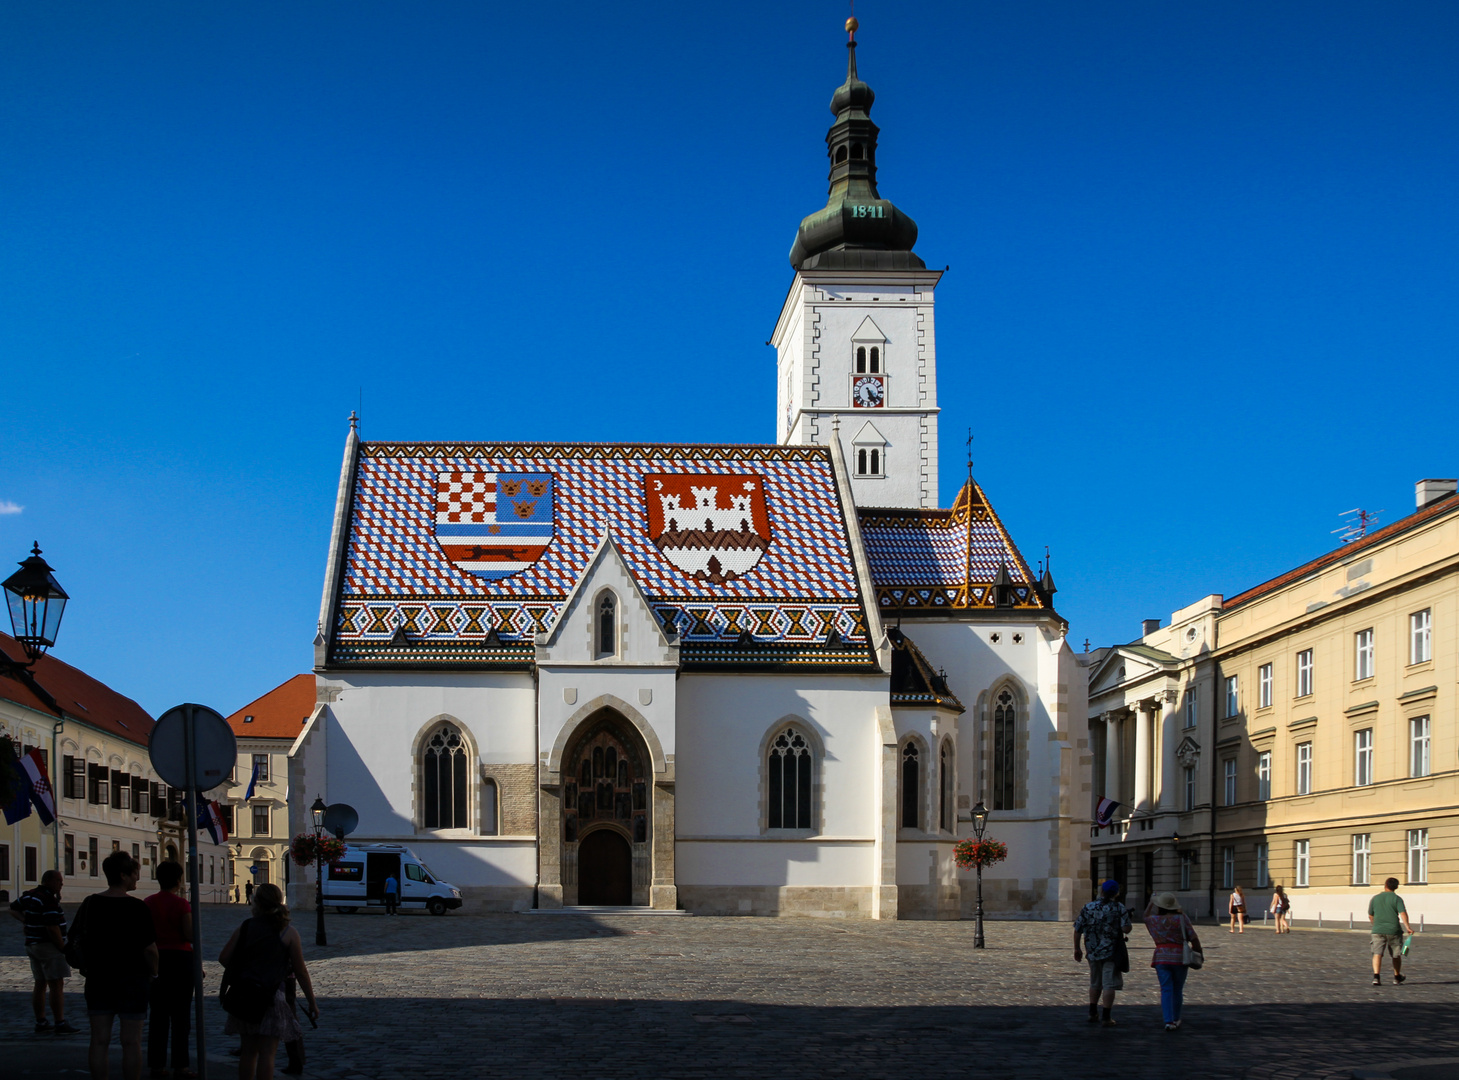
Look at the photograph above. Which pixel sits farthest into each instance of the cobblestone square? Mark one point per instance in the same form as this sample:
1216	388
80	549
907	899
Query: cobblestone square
631	996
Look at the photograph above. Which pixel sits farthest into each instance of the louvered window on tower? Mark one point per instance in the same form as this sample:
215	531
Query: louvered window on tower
790	782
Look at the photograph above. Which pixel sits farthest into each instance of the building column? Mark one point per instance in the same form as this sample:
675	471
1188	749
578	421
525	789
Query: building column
1111	756
1143	738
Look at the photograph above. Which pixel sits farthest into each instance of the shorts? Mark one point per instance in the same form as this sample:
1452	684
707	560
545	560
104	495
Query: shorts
126	998
1392	944
1105	975
47	962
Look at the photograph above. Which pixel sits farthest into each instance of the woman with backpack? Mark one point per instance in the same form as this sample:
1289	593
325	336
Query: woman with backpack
1281	908
256	960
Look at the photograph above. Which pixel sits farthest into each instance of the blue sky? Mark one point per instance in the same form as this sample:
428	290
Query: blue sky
1202	293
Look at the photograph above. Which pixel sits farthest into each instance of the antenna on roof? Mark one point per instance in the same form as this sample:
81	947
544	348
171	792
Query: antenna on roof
1355	528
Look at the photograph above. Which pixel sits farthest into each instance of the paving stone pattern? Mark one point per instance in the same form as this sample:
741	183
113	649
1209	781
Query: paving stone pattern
622	996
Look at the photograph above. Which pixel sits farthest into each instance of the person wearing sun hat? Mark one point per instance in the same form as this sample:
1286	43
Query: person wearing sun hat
1171	929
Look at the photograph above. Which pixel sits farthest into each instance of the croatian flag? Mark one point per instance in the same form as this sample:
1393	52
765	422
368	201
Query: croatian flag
210	817
40	786
1105	812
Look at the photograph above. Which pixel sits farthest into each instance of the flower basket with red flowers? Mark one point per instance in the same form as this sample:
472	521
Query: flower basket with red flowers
979	853
305	848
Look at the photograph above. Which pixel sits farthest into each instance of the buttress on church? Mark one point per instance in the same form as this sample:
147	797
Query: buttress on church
728	679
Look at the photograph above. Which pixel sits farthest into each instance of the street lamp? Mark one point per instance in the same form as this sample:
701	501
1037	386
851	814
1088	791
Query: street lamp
36	602
318	810
980	822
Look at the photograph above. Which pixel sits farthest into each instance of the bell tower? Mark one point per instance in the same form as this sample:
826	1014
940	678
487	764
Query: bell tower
856	349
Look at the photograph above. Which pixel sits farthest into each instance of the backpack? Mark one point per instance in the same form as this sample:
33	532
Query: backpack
254	972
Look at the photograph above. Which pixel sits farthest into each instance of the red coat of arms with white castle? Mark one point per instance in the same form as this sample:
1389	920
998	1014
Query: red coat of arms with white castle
711	526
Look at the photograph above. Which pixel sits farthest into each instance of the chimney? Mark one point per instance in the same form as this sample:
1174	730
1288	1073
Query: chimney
1149	626
1430	491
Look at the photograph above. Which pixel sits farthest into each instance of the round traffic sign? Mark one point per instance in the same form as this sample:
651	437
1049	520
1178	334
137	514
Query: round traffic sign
215	750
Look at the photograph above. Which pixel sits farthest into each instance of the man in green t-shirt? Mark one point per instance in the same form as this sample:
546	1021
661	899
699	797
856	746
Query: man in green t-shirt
1385	912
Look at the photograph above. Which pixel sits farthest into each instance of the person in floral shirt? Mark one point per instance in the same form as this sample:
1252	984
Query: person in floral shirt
1103	923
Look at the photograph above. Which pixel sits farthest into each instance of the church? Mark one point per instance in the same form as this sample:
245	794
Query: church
728	678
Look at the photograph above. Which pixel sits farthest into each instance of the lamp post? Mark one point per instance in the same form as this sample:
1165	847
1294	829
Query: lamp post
980	822
318	810
36	601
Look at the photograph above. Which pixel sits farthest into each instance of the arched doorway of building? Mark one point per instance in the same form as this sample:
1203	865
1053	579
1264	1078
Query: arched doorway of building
606	816
605	868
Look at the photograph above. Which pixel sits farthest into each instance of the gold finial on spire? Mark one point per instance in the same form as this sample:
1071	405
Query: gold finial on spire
852	26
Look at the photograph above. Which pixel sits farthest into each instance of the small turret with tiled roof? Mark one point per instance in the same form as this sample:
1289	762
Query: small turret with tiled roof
857	229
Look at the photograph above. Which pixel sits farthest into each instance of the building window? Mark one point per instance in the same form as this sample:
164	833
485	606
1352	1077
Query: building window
32	863
790	781
1362	857
1304	673
1419	643
1264	686
1304	768
1418	741
69	865
1264	775
443	779
1363	757
1363	655
1185	872
4	862
1263	866
1190	787
152	858
861	359
1304	861
260	767
1005	758
1232	698
948	800
141	796
490	825
1228	868
605	626
869	461
96	785
1228	770
1192	710
93	861
911	786
74	779
874	360
1418	856
261	825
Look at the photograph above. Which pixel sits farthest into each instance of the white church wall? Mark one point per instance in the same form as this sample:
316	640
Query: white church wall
927	881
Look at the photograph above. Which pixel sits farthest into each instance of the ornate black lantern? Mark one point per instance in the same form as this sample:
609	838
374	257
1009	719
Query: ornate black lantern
318	810
980	819
36	602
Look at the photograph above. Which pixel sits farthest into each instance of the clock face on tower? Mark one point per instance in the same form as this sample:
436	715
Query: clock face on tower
868	391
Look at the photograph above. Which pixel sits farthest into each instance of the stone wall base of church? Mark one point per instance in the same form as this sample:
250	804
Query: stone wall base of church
1013	898
809	901
931	902
479	898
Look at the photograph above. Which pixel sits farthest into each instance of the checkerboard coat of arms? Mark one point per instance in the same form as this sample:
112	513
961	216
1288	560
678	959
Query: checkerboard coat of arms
712	526
494	524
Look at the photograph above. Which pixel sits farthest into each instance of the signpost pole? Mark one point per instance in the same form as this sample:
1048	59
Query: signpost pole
189	735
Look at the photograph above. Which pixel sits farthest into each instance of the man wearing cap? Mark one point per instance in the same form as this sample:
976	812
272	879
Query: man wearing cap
1103	923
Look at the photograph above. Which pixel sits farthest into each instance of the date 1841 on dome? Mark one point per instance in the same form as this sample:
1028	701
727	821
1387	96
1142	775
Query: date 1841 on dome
859	210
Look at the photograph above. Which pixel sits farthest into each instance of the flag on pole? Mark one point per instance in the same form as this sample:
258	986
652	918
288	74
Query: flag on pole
18	809
210	817
40	786
252	781
1105	812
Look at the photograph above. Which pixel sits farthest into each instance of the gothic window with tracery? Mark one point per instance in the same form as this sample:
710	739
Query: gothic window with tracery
948	788
790	781
607	625
1005	752
444	769
911	786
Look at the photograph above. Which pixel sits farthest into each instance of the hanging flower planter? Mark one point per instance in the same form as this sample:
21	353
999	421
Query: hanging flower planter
305	848
979	853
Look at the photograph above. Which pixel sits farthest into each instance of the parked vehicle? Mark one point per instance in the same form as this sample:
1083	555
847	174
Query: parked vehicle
357	879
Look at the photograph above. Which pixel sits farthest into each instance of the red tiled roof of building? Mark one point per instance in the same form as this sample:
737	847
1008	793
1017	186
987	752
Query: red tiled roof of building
279	714
1435	509
75	694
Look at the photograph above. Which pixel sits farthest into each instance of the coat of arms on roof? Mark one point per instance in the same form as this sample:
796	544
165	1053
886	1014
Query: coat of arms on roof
494	524
712	526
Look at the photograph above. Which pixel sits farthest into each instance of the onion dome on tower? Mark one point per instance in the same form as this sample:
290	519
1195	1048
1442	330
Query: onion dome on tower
857	229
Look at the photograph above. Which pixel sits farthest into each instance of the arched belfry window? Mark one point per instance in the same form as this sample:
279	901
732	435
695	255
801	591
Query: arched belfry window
948	788
444	770
606	625
861	360
911	786
1005	751
875	360
789	787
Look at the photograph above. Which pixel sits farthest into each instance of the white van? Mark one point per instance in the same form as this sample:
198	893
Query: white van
358	880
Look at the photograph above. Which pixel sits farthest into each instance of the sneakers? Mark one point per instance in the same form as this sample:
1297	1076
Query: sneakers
42	1026
64	1028
1377	980
1398	979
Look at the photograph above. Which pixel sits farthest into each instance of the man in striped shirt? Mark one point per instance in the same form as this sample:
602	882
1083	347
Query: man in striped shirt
45	940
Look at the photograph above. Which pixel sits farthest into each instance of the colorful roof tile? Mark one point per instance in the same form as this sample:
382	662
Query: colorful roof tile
462	553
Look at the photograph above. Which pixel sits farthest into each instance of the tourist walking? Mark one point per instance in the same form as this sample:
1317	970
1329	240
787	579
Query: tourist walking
1170	929
257	958
1386	911
118	955
1236	908
172	992
1279	909
248	892
392	895
45	944
1104	924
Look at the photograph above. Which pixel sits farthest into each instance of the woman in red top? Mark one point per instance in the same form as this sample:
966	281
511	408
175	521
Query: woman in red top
172	993
1171	929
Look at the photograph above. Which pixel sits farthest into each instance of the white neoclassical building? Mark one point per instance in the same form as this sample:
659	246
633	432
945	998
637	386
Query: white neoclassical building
731	678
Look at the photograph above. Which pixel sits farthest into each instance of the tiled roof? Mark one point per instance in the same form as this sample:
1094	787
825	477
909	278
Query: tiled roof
279	714
1435	509
924	561
461	553
74	693
913	681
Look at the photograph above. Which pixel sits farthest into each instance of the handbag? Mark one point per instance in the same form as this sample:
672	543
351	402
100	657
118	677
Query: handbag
1192	957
